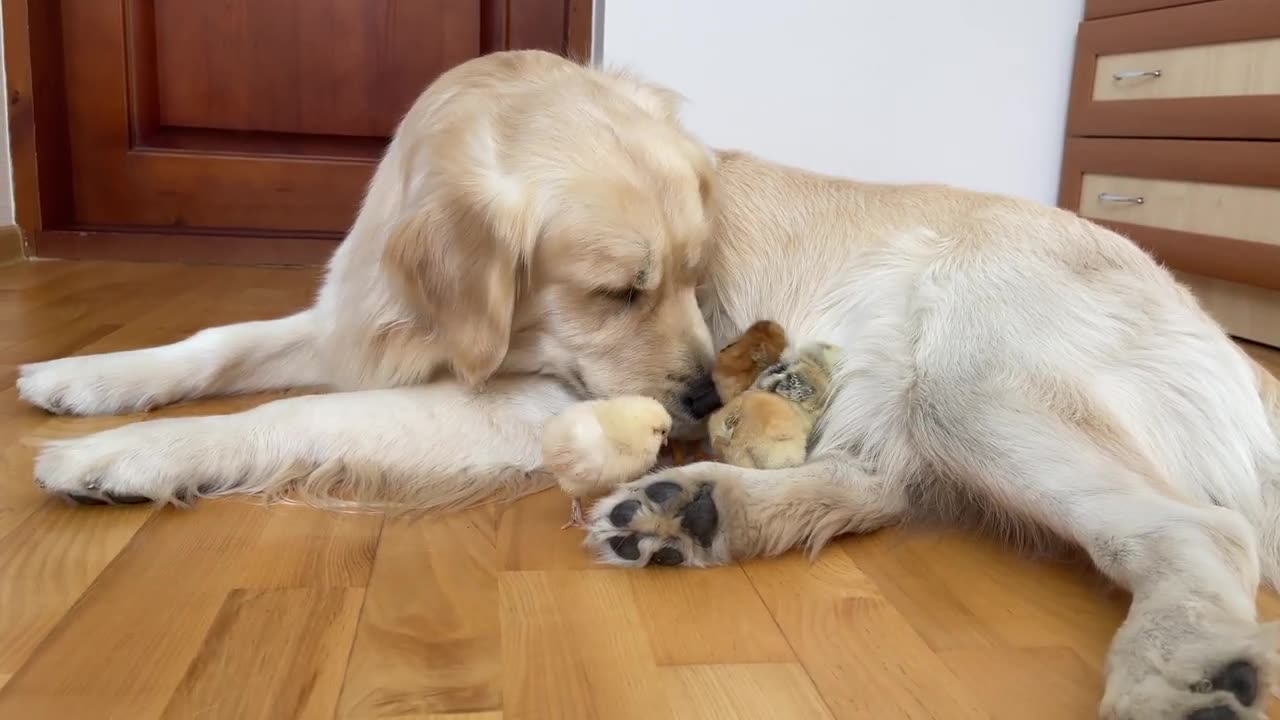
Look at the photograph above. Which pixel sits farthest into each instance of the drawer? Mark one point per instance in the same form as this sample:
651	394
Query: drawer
1242	310
1206	207
1204	70
1242	68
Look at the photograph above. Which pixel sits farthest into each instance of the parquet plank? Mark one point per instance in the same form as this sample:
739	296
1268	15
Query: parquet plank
1051	683
47	561
546	671
145	618
148	617
910	582
307	547
573	647
19	496
864	657
979	597
988	580
530	537
743	692
428	638
685	628
284	651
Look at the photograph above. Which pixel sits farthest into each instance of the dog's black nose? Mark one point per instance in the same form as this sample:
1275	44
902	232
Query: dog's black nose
701	399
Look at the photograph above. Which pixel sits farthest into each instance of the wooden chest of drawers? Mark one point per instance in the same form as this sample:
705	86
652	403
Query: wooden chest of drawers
1173	139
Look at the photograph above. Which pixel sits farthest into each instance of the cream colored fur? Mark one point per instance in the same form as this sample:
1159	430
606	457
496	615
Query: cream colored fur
997	350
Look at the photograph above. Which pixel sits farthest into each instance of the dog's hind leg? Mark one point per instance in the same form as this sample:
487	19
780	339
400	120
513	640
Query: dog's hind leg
1191	647
227	360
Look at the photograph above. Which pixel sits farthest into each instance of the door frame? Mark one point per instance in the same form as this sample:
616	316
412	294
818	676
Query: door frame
38	149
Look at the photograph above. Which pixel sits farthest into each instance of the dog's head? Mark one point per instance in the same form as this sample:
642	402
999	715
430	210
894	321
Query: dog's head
557	220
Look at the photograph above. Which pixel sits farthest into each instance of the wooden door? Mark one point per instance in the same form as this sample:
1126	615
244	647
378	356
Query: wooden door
230	130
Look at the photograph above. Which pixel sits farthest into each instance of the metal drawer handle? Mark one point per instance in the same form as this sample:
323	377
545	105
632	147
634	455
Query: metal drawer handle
1127	74
1130	199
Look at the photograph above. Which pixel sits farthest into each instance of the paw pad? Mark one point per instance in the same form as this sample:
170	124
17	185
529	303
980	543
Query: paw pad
626	547
667	556
622	513
107	499
700	518
1217	712
666	520
85	499
663	491
1240	678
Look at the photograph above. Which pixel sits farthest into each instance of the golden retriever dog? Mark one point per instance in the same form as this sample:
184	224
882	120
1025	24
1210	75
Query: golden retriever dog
540	232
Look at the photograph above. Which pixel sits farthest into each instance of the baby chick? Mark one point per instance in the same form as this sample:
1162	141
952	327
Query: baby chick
769	425
804	379
594	446
741	361
760	429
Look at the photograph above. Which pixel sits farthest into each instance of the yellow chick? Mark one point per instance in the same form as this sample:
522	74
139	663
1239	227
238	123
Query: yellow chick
596	445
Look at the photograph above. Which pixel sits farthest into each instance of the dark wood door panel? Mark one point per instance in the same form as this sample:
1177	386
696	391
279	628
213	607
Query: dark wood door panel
197	192
231	123
326	67
115	183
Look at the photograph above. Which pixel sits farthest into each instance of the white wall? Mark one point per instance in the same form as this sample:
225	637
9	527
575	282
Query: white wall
966	92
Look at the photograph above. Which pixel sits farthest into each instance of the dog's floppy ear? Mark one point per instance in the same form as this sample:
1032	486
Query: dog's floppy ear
707	188
456	266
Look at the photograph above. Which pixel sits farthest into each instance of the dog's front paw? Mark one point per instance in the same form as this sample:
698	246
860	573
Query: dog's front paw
91	385
681	516
132	464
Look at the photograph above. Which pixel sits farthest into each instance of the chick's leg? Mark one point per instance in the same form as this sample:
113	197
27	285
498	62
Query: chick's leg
576	519
712	514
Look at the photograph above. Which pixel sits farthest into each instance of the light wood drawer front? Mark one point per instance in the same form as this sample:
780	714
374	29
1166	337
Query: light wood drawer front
1230	211
1243	311
1225	69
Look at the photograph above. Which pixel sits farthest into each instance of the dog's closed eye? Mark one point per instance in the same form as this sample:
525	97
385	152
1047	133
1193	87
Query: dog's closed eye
626	295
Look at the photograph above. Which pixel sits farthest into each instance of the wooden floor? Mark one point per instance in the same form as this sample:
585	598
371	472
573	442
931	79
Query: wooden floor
234	610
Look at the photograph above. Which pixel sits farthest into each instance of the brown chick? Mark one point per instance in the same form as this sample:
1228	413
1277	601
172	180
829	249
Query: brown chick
594	446
769	426
741	361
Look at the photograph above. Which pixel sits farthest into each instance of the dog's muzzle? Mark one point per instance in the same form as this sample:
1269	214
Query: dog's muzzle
700	399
